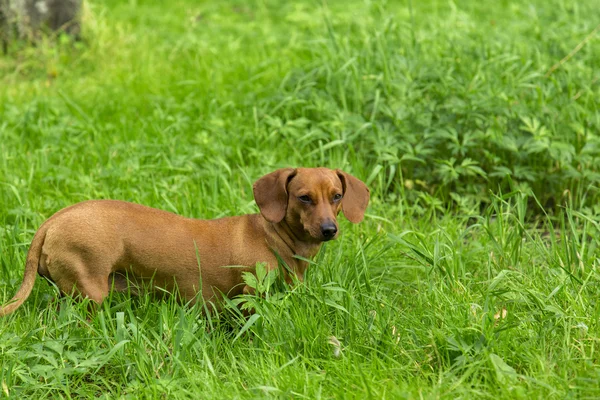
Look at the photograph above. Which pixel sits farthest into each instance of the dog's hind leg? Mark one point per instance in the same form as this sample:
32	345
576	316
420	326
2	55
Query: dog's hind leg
85	278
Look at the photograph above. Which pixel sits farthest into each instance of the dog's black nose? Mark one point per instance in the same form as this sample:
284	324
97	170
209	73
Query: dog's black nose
328	230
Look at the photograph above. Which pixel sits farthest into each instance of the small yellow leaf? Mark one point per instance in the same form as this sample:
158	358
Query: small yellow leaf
501	314
337	346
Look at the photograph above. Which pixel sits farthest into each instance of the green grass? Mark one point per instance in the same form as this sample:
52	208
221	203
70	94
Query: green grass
475	272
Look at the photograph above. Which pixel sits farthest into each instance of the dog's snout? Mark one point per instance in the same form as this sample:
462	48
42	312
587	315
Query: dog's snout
328	230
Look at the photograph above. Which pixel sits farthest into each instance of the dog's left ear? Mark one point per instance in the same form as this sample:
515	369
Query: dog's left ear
270	193
356	197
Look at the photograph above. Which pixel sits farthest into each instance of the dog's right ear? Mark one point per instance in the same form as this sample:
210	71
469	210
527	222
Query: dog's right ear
270	193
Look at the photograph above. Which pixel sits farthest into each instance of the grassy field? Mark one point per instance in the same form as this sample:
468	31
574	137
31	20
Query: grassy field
475	124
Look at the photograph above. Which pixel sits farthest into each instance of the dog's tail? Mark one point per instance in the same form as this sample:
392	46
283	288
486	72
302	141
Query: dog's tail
31	268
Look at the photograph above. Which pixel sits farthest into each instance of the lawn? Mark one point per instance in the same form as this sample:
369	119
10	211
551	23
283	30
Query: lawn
475	273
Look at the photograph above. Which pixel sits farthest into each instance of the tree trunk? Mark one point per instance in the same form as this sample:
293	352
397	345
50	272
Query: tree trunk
28	19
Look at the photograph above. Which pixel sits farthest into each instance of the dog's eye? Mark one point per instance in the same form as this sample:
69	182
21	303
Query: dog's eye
337	197
304	199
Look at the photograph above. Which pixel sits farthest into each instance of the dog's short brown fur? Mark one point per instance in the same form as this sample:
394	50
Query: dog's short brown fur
92	246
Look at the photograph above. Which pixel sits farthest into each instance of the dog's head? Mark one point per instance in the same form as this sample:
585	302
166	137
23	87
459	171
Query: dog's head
309	200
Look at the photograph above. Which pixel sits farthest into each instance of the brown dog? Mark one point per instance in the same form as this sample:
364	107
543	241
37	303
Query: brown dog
92	246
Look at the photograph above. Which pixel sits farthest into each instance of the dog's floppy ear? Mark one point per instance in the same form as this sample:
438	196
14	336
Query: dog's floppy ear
356	197
270	193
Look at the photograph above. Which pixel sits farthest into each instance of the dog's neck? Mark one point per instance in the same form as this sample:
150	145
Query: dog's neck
281	236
